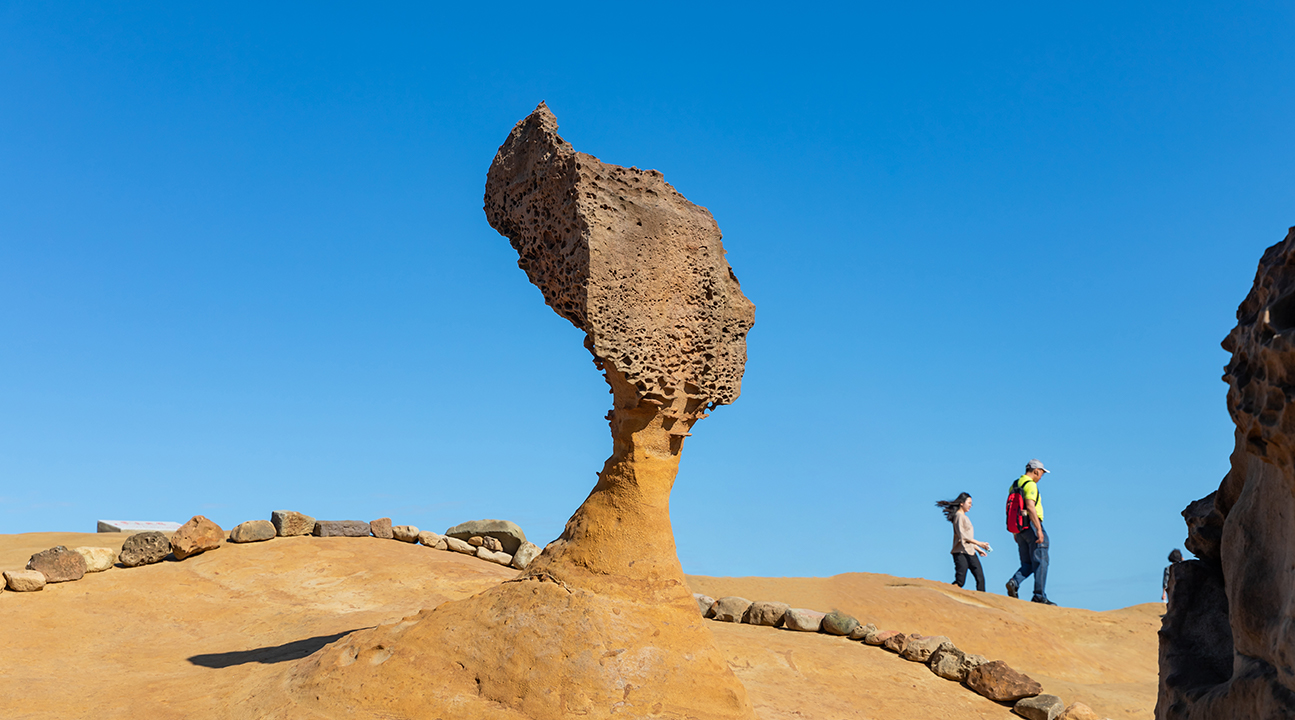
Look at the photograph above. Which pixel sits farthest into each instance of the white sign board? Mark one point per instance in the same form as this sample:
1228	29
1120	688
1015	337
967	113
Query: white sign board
137	526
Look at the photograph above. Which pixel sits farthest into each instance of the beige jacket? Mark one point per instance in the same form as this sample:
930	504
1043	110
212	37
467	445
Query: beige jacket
962	533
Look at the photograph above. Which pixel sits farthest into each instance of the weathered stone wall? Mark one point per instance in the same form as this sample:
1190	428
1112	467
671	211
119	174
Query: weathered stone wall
1243	534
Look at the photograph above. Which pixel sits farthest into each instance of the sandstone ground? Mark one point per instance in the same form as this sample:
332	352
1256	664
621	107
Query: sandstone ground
176	639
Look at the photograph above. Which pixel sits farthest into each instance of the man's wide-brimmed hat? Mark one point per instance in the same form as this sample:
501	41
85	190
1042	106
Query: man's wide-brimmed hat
1035	464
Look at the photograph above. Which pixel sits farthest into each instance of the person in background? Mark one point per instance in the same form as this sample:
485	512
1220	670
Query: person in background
1175	557
965	545
1032	542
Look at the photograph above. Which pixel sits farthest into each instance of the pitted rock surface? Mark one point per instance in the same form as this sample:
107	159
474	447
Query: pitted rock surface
1228	638
144	548
596	239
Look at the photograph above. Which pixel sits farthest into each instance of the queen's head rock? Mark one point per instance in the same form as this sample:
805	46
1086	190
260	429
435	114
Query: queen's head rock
601	622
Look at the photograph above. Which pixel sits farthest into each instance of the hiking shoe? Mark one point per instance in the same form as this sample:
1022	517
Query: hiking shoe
1042	601
1011	589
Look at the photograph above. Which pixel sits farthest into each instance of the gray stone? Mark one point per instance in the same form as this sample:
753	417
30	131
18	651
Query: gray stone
803	620
501	558
97	559
341	528
252	531
1039	707
920	647
704	603
763	612
24	580
133	526
508	533
405	533
525	554
144	548
862	631
291	524
730	608
381	528
838	623
880	637
58	564
459	546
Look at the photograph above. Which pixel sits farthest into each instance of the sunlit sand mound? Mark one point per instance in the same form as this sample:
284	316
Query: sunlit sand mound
193	639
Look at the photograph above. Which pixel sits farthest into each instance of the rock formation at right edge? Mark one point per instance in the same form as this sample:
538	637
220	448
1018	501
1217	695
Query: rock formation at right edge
1227	645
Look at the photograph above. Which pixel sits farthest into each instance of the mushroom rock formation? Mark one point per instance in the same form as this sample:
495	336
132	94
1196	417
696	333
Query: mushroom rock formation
1227	645
602	622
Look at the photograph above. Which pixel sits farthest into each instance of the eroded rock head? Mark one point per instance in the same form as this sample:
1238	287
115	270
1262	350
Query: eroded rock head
626	258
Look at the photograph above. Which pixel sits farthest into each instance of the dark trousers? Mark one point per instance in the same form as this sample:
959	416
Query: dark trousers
962	561
1034	561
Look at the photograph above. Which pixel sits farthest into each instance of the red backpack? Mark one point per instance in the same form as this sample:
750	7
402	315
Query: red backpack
1017	518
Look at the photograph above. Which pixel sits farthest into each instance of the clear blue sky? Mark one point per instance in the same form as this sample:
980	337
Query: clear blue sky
244	266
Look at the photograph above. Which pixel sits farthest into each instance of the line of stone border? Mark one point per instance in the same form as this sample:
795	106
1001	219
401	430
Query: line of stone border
993	679
59	564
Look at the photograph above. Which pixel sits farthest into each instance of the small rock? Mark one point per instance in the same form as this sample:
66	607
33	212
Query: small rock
802	620
1039	707
896	643
252	531
492	544
1000	683
506	532
1078	711
476	541
144	548
703	603
459	546
730	608
381	528
920	647
291	524
24	580
838	623
765	613
97	559
862	631
196	536
526	552
428	538
876	637
58	564
405	533
341	528
502	558
951	663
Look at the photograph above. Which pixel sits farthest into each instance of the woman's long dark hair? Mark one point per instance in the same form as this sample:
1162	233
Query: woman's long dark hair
951	507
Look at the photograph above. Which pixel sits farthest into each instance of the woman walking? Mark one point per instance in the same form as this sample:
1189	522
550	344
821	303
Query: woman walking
965	545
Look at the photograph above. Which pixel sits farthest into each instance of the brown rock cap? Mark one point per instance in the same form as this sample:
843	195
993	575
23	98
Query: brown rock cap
58	564
1000	683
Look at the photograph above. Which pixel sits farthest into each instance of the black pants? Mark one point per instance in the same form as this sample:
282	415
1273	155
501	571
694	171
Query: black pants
962	561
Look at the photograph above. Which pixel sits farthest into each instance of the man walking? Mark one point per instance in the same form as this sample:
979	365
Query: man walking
1031	542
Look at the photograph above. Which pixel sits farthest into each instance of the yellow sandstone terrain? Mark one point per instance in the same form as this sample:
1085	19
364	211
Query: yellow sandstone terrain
181	639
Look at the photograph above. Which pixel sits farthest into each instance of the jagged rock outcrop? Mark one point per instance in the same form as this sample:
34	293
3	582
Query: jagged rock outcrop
601	623
1227	645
